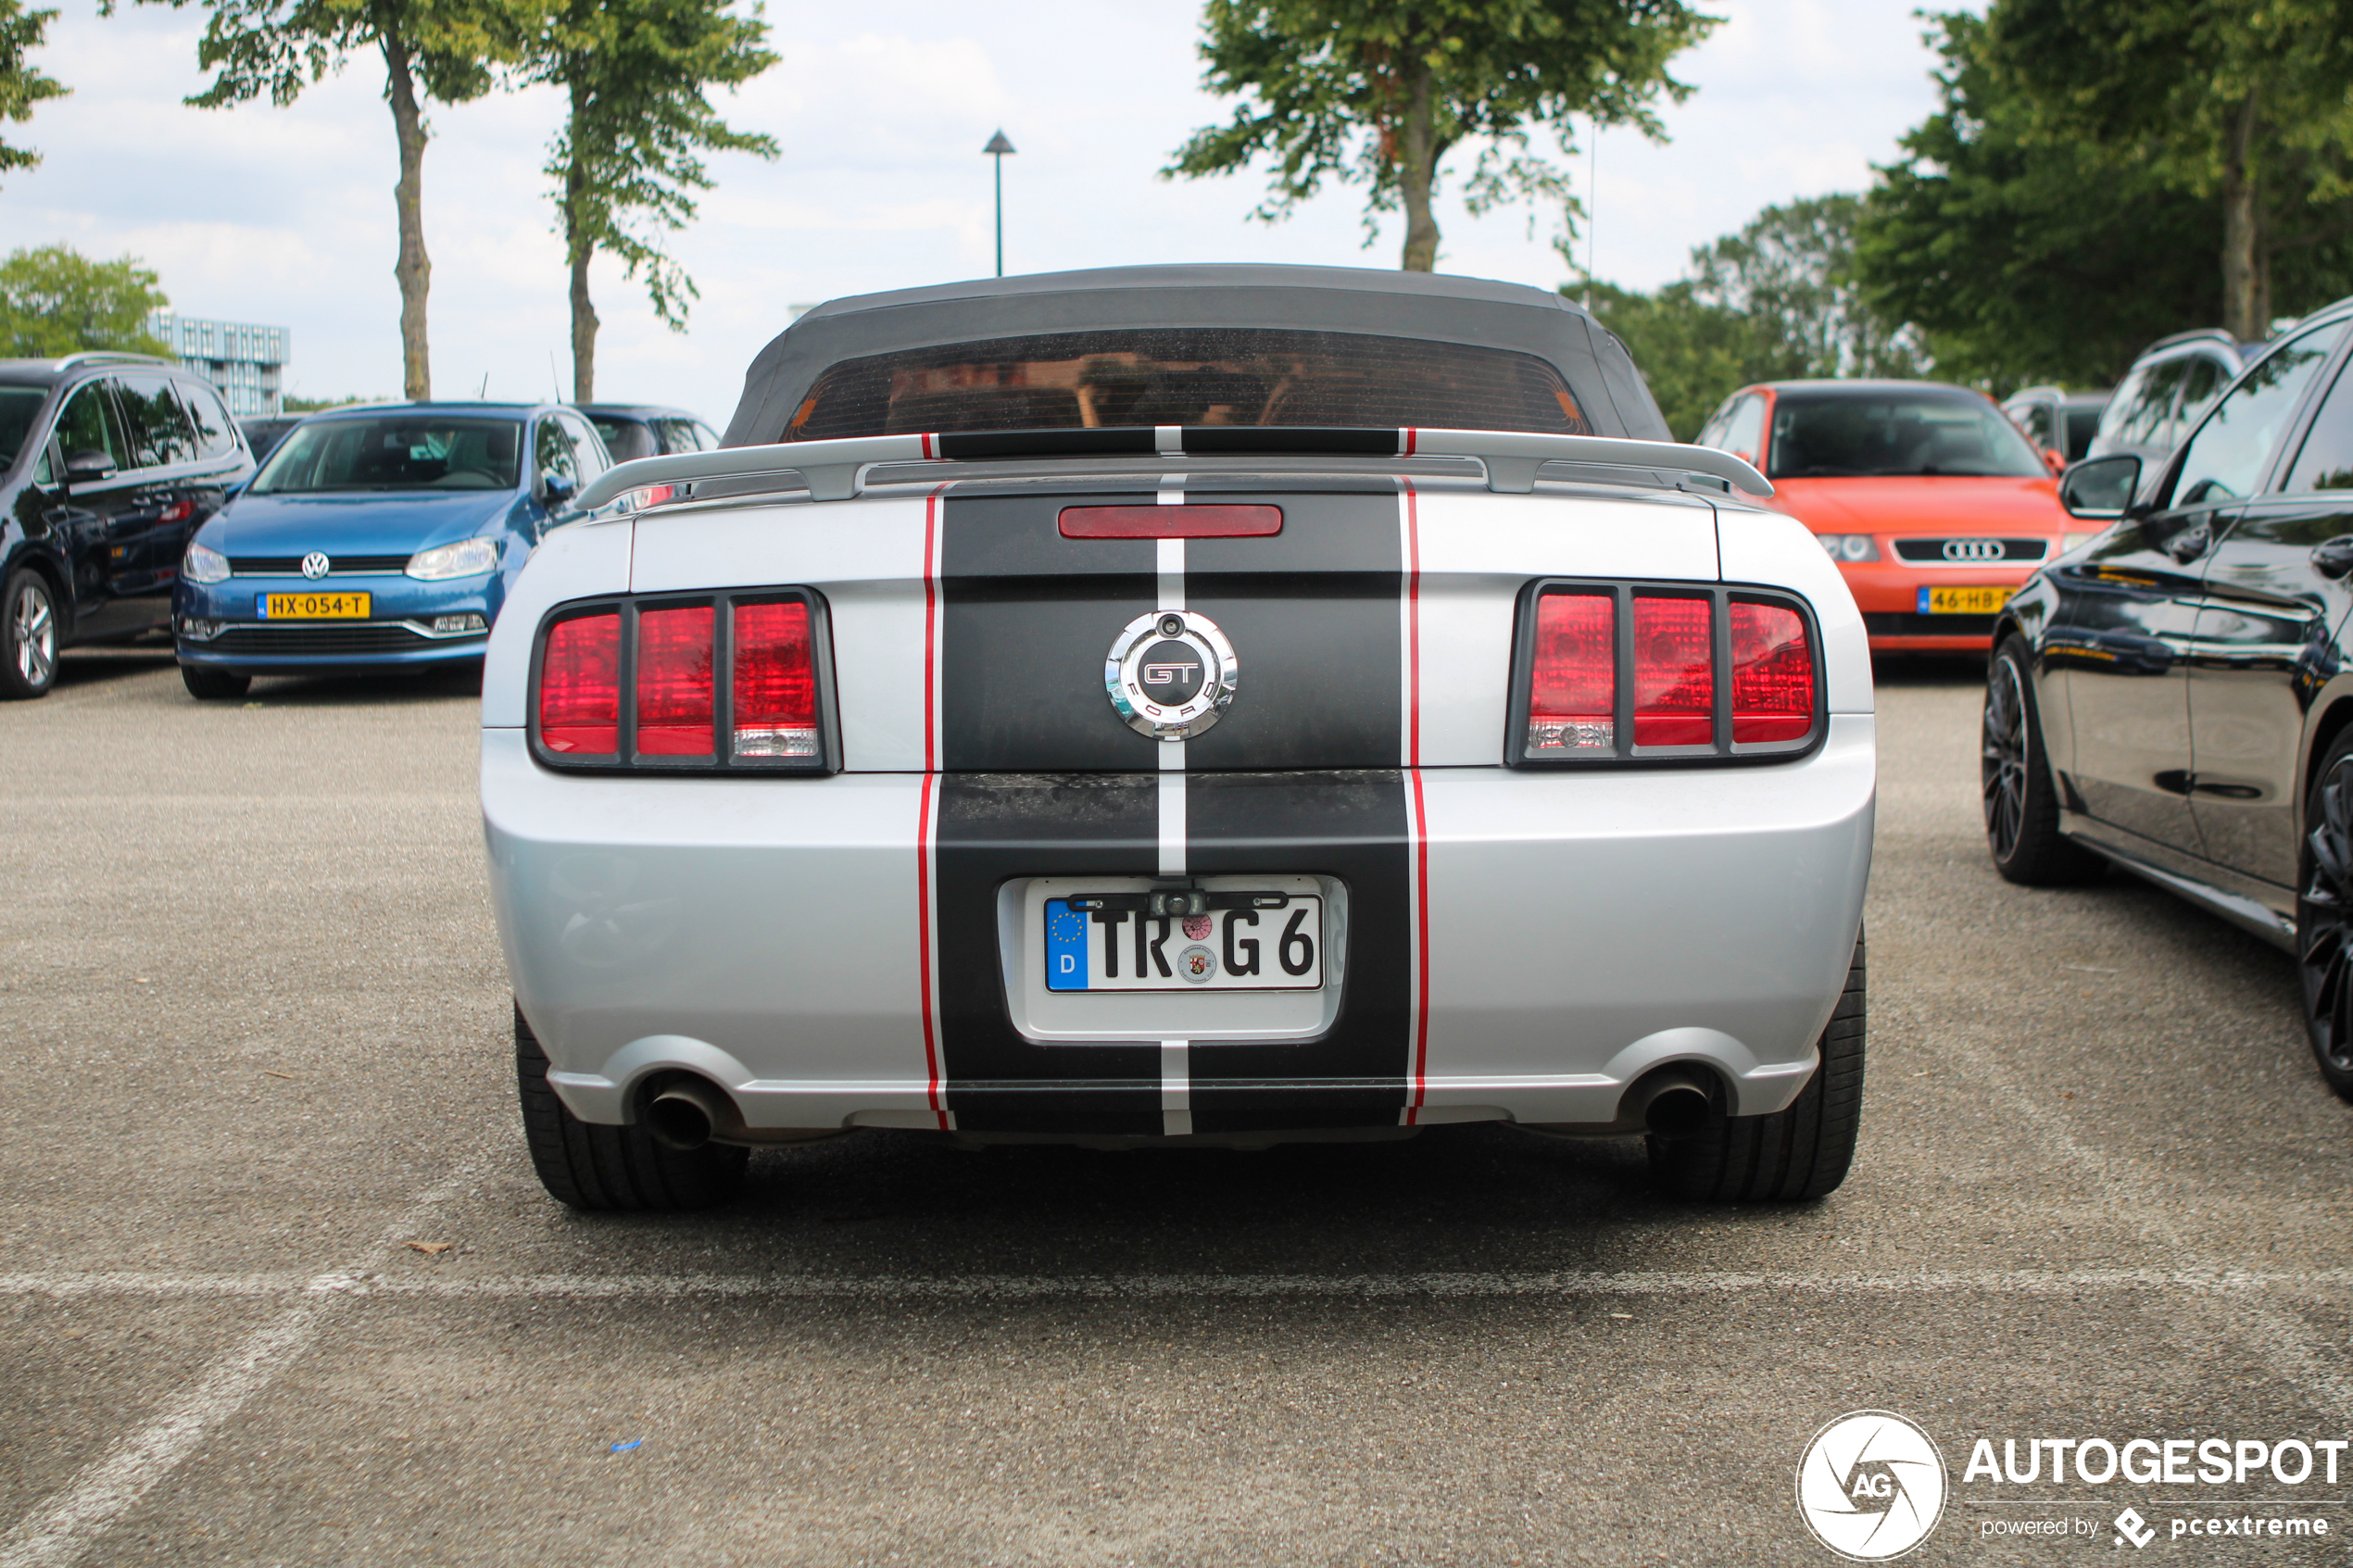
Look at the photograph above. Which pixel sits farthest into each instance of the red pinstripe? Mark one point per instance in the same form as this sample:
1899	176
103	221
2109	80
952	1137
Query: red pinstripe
926	828
1414	772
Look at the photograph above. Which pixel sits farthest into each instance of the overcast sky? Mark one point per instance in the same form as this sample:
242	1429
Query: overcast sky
284	215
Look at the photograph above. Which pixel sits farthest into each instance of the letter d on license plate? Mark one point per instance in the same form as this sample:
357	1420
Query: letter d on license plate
1238	949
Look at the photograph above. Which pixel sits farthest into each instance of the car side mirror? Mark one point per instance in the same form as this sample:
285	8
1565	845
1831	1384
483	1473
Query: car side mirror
2100	489
557	488
83	466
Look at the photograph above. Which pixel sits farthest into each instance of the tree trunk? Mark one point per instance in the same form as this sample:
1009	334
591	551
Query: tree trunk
580	246
413	271
1418	168
2245	308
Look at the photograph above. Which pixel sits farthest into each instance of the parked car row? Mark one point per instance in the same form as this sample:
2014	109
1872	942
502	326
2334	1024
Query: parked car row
370	538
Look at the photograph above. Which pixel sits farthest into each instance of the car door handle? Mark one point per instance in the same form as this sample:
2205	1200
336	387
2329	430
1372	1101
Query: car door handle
2333	557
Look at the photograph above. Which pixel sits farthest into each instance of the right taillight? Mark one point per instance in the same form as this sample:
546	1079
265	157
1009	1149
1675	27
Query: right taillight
1670	672
1772	674
719	683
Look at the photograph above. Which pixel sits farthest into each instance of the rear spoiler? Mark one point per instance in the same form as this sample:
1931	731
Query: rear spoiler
836	471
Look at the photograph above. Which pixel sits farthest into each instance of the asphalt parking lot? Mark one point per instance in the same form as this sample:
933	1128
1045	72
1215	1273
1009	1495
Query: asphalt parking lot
254	1014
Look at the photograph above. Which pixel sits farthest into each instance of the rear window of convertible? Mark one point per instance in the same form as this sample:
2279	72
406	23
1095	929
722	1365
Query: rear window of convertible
1188	376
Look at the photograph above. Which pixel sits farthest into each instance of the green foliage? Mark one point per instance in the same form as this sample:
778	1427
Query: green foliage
294	405
20	86
56	301
637	72
1376	93
275	48
1777	301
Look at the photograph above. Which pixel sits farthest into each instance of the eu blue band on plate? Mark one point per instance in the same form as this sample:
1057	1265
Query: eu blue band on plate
261	605
1923	604
1066	946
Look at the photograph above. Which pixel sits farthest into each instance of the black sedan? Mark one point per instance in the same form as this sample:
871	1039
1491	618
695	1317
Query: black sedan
2176	696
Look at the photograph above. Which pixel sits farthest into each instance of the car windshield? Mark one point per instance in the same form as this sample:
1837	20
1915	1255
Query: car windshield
2082	425
1188	376
18	406
624	438
395	452
1849	434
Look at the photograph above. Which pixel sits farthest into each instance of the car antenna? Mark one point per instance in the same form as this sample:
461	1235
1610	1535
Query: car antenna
483	396
554	380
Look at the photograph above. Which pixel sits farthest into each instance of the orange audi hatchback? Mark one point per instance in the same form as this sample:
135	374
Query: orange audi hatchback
1934	506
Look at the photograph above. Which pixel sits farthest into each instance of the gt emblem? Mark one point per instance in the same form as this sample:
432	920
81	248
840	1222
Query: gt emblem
1170	673
316	565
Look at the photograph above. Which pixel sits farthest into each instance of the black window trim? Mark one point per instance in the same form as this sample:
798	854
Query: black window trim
629	761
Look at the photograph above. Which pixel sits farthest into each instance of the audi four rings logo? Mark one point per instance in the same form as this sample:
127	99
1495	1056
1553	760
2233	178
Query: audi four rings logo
316	565
1170	674
1974	549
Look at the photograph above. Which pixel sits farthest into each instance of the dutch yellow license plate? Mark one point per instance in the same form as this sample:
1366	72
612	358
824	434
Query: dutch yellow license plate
1963	601
312	606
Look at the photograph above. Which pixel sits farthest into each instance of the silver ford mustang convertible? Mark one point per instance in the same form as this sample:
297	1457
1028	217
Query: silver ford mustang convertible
1191	706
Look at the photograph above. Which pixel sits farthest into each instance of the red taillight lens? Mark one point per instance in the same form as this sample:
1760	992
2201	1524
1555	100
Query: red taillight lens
1772	674
776	681
579	687
1573	694
1674	673
674	682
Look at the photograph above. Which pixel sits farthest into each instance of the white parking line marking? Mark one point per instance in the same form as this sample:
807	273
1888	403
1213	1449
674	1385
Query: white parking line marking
111	1485
1567	1283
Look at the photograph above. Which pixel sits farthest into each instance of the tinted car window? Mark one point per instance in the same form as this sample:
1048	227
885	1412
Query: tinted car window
685	435
157	426
398	452
554	453
1745	432
19	405
2226	457
625	439
215	436
88	425
1187	376
2201	384
2145	421
586	448
2325	461
2082	425
1845	434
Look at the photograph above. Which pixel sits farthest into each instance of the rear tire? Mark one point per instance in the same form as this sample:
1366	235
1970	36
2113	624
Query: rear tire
593	1168
1791	1155
2325	916
213	685
2022	803
28	636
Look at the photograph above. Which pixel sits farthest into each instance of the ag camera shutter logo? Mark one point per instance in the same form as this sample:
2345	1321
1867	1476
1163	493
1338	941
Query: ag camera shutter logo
1870	1485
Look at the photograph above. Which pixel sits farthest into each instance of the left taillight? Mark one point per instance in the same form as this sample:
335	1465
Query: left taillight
1665	673
720	683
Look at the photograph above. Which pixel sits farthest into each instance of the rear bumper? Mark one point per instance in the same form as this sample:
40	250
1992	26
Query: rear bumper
1581	930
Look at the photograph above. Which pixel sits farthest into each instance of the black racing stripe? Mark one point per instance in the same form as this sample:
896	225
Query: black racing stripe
1213	441
994	828
1026	620
1312	613
1124	441
1352	825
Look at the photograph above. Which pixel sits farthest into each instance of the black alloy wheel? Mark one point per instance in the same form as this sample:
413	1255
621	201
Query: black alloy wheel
2323	908
2022	803
28	636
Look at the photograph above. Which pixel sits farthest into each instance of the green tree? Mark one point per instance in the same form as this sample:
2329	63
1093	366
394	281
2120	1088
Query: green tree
54	301
1791	270
1692	353
443	50
1363	92
634	74
20	86
2247	103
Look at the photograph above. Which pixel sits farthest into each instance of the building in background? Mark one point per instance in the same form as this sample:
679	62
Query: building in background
247	362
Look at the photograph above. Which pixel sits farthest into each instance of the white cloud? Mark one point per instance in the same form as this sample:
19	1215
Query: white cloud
286	216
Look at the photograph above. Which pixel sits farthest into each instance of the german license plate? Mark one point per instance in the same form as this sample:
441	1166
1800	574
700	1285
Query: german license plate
1268	942
1963	601
311	606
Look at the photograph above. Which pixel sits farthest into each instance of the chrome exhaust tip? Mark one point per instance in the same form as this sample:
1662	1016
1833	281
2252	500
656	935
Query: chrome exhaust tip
687	1113
1674	1102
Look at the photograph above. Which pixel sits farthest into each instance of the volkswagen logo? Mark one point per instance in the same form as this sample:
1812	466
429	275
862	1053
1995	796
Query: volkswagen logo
1170	673
1975	549
316	565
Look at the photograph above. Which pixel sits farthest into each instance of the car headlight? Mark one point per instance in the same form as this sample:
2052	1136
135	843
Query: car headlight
466	558
203	565
1848	546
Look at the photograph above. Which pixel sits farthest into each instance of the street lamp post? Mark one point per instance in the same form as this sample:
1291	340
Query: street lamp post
998	147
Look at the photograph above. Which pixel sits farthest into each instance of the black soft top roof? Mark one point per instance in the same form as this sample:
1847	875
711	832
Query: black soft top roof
1425	305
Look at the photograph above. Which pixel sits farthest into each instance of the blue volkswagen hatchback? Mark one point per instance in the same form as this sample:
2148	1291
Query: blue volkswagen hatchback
377	540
